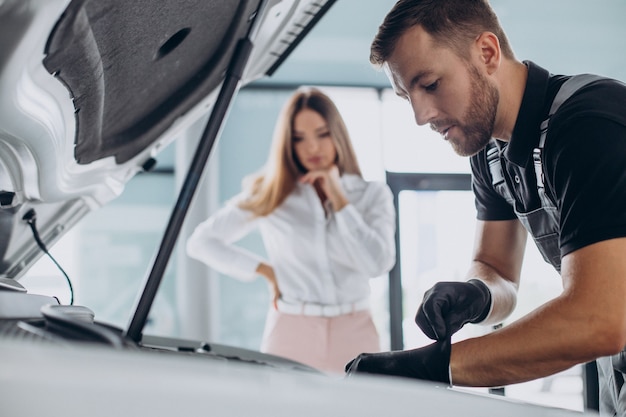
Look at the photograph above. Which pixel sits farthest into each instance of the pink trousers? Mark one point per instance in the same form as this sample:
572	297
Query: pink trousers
324	343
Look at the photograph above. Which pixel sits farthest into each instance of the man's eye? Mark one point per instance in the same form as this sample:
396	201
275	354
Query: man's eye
432	86
297	139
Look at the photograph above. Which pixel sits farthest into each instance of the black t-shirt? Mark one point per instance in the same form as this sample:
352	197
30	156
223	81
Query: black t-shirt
584	160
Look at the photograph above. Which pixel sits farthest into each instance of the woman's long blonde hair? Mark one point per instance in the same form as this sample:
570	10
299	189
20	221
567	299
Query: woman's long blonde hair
268	189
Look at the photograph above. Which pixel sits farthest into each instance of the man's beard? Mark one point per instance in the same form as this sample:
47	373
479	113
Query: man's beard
479	118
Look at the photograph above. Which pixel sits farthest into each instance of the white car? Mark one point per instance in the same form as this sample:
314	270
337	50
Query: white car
90	92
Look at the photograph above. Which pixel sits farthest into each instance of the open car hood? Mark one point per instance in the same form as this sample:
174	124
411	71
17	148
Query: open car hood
92	90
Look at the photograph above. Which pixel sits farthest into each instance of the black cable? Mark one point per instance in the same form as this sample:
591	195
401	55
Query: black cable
31	218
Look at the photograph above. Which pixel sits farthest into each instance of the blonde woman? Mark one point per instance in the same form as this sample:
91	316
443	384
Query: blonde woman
326	231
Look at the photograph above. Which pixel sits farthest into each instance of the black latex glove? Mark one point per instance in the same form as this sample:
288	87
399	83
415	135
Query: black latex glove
428	363
448	306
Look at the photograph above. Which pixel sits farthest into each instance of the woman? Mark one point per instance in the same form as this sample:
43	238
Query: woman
326	232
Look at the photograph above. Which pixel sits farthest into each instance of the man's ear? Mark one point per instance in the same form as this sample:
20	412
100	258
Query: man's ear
489	52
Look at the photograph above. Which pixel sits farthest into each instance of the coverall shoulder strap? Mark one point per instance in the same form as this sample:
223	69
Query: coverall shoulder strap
569	87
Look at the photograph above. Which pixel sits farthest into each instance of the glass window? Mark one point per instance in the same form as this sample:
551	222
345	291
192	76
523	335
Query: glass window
408	147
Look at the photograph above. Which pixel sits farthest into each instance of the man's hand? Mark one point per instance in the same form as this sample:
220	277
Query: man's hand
428	363
448	306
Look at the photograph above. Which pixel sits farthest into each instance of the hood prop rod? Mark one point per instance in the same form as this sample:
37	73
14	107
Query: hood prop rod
152	282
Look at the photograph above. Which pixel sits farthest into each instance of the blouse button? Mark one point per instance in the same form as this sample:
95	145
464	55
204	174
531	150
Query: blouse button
516	179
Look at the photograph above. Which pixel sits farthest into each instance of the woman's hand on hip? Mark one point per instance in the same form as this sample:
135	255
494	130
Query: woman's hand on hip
268	273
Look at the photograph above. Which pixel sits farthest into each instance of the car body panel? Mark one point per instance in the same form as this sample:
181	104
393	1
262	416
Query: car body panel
125	383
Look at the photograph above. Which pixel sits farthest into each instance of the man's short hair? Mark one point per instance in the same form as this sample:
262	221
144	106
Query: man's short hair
451	23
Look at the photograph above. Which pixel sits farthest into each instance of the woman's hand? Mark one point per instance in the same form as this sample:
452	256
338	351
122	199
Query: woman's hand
268	273
328	185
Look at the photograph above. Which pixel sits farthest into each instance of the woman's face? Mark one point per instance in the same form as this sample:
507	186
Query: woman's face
312	142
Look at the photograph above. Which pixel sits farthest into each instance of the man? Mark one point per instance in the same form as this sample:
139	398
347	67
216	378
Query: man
452	62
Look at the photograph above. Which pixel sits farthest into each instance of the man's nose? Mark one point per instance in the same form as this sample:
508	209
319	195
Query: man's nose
423	110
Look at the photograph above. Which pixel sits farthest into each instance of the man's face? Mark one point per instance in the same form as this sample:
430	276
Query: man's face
445	91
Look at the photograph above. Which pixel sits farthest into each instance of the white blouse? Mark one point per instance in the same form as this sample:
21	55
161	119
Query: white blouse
316	258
